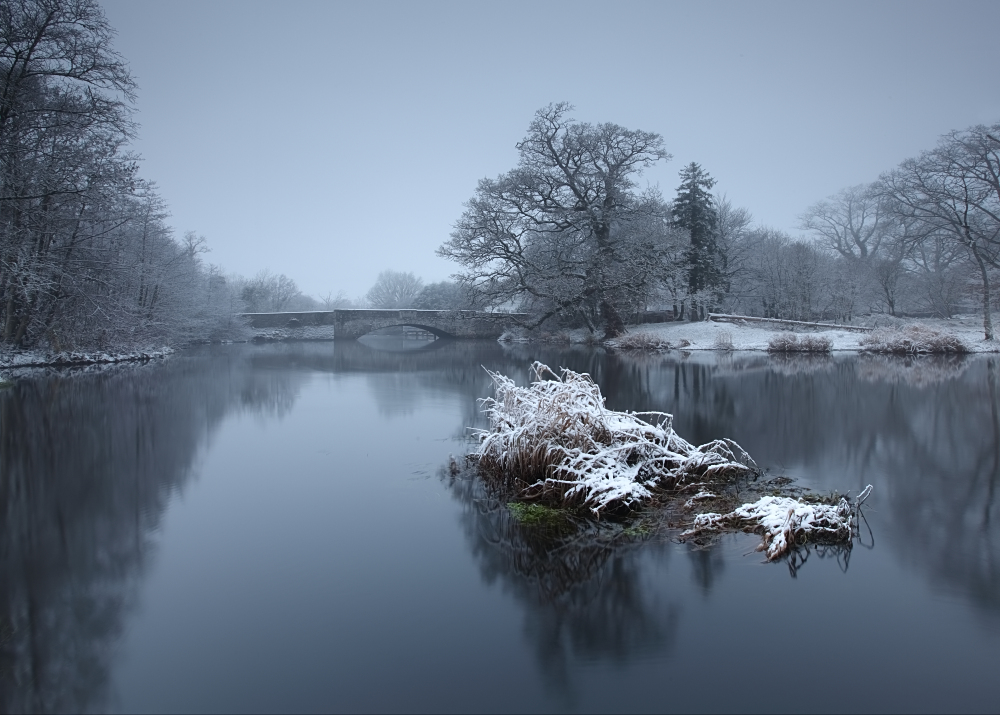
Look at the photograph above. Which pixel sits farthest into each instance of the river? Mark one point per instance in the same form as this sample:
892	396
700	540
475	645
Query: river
274	528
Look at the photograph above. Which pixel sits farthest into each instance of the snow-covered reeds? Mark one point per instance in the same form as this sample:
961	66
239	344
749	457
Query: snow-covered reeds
911	340
785	523
790	343
555	441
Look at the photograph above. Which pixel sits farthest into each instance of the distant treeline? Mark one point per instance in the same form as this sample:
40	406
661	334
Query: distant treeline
86	256
568	236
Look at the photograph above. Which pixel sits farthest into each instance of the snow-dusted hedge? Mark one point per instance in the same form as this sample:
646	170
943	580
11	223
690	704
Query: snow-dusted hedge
911	340
790	343
555	441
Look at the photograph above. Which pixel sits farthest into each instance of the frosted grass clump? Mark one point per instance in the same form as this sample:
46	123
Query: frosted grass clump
784	522
911	340
789	343
555	441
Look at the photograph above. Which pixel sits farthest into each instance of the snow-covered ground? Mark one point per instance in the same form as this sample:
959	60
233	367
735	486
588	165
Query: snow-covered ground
37	358
709	335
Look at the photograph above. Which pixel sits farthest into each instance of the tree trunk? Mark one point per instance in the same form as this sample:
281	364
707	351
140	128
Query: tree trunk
613	323
987	318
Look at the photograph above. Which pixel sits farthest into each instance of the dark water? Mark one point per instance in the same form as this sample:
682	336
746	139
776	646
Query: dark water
271	528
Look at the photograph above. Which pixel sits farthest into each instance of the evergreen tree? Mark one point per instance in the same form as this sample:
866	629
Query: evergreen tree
694	212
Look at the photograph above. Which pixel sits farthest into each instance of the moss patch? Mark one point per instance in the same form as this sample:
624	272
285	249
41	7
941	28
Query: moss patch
538	515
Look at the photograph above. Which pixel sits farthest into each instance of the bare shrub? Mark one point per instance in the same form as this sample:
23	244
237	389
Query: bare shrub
639	341
790	343
912	340
724	340
783	343
815	344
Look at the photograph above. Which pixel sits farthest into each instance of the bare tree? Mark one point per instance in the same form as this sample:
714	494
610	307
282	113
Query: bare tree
736	244
954	191
270	293
394	289
340	301
853	222
561	231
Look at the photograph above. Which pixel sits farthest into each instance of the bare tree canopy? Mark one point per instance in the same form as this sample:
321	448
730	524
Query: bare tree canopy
852	222
565	232
953	191
394	289
86	256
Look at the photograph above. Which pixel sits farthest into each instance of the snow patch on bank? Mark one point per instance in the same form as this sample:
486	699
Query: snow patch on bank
709	335
27	359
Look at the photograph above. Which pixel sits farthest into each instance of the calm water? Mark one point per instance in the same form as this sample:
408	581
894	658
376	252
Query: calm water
271	528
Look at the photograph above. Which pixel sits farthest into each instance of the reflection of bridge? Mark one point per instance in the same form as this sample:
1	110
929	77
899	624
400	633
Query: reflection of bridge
352	324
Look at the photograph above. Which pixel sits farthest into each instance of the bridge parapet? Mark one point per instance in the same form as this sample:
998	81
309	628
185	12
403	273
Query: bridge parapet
351	324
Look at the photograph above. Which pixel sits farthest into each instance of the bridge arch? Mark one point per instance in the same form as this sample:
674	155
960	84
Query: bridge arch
437	332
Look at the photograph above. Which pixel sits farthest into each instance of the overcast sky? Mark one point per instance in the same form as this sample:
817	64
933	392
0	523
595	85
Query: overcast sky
331	140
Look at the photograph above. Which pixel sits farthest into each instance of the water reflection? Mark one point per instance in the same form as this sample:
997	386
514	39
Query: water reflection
89	465
584	590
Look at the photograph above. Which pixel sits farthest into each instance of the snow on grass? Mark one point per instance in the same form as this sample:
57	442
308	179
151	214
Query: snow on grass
27	359
784	522
555	441
639	340
704	335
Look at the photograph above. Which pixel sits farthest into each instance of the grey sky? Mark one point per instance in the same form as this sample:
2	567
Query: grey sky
331	140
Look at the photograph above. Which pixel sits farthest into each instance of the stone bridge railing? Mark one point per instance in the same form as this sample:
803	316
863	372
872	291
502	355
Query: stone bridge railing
350	324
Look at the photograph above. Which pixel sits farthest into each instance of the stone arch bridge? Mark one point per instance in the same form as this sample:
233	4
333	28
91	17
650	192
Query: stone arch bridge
352	324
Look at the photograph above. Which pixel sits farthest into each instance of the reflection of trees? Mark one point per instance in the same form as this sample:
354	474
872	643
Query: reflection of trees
924	431
921	371
88	464
581	585
944	503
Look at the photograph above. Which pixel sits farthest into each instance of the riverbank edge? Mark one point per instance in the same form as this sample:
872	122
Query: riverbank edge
712	336
33	359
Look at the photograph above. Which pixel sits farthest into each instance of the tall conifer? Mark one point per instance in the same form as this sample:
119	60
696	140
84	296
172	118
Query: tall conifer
694	211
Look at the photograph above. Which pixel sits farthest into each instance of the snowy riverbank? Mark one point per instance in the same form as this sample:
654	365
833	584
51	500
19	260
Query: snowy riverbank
710	335
33	358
